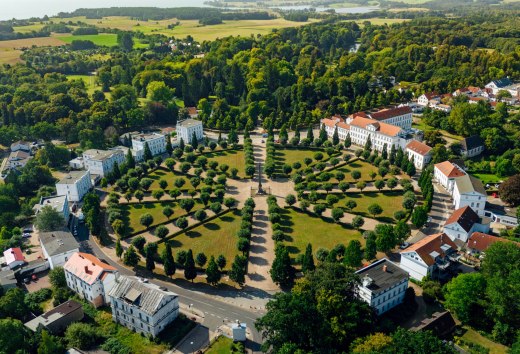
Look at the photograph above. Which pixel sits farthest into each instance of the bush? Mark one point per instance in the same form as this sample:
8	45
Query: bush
82	335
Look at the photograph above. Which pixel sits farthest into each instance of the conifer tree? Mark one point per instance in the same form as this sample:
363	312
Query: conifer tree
308	260
335	137
130	161
168	261
169	147
212	272
147	153
190	272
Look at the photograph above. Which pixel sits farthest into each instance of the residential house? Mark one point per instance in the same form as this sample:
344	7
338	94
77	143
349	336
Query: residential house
472	146
501	213
431	256
101	162
60	203
428	98
21	145
141	306
469	191
187	127
74	185
462	223
90	278
479	242
445	173
18	159
14	257
156	143
58	247
419	153
383	285
504	84
446	108
58	319
77	163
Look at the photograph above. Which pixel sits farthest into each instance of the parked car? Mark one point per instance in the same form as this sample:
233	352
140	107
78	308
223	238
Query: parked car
404	245
26	235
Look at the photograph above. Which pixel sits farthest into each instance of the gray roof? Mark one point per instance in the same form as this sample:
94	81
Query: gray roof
146	296
189	123
57	242
101	155
72	177
472	142
56	314
7	278
146	137
381	278
56	201
468	184
503	82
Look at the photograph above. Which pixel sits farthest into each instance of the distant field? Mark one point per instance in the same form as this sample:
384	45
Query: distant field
10	50
378	21
104	39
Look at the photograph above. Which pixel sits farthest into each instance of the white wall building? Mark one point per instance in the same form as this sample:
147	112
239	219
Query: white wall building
90	278
58	247
398	116
156	143
383	285
419	153
14	257
21	145
469	191
101	162
430	256
462	223
74	185
18	159
60	203
380	134
142	307
445	174
502	214
504	84
472	146
426	99
187	127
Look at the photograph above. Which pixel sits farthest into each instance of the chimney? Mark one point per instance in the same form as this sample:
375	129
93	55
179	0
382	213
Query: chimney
384	268
86	269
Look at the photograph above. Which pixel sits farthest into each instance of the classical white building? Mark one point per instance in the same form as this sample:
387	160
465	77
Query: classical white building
380	134
74	185
383	285
60	203
445	174
419	153
101	162
90	278
462	223
58	247
187	127
398	116
156	143
469	191
143	307
431	256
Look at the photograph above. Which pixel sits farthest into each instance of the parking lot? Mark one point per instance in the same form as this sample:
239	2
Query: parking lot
43	281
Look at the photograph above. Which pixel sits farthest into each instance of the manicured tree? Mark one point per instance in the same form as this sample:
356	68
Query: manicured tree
139	242
190	272
139	195
161	231
358	222
282	272
147	155
370	246
310	133
399	215
361	185
215	207
178	152
337	214
146	220
319	209
402	231
205	198
398	157
379	184
375	209
290	199
181	222
150	251
181	257
187	204
343	186
353	254
128	196
175	193
119	249
131	257
419	216
385	239
167	211
350	205
372	175
392	156
384	153
130	161
168	262
348	141
158	194
163	183
201	259
308	260
200	215
356	174
213	274
221	262
335	137
185	167
318	156
238	270
307	161
146	183
334	161
230	202
391	183
243	245
410	169
234	172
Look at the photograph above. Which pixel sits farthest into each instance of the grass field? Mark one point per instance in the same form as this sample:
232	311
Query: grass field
473	336
302	229
487	177
170	177
291	156
419	124
213	238
378	21
232	158
132	213
364	167
10	51
221	346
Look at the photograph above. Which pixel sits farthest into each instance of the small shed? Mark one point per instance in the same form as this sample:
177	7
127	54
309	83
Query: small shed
239	331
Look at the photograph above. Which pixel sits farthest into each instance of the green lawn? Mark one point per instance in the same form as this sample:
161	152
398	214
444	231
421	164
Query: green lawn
473	336
291	156
221	346
213	238
364	167
390	201
133	212
302	229
487	177
102	39
170	177
419	124
232	158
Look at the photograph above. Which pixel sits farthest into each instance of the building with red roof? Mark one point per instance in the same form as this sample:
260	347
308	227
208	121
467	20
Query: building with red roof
419	153
479	242
463	222
14	257
446	172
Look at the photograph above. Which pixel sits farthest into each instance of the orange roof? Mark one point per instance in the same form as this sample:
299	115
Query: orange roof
418	147
430	95
481	242
329	122
473	89
343	125
465	217
430	244
192	111
383	128
87	267
360	114
13	255
449	170
390	113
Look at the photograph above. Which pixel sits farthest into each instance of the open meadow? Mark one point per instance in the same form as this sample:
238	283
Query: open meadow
10	51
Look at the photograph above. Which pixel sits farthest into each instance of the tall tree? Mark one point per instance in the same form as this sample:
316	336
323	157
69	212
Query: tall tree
147	154
353	254
168	261
282	272
212	272
131	257
190	272
370	246
308	260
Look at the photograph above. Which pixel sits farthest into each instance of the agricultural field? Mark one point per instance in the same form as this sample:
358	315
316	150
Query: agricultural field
301	229
213	238
378	21
232	158
102	39
10	51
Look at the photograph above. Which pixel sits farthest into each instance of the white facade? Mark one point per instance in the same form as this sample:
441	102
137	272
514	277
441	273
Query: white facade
419	153
156	143
18	159
465	194
60	203
187	127
101	162
456	232
380	134
58	247
75	185
414	265
400	117
143	307
77	163
445	173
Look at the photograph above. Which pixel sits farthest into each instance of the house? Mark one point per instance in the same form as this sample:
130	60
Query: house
21	145
462	223
501	213
156	143
58	319
440	324
101	162
479	242
498	85
90	278
14	257
469	191
419	153
383	285
60	203
74	185
187	127
431	256
77	163
472	146
445	173
58	247
7	280
426	99
192	112
398	116
141	306
446	108
18	159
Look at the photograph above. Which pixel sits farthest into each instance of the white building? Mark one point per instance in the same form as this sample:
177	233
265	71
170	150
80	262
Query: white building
156	143
380	134
21	145
77	163
419	153
143	307
462	223
501	214
18	159
383	285
90	278
187	127
472	146
398	116
428	98
58	247
469	191
430	256
101	162
445	174
60	203
74	185
14	257
504	84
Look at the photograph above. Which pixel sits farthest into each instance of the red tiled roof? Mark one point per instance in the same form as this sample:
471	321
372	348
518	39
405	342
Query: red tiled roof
343	125
449	170
430	95
383	128
87	267
473	89
418	147
13	255
481	242
465	217
360	114
329	122
430	244
390	113
192	110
